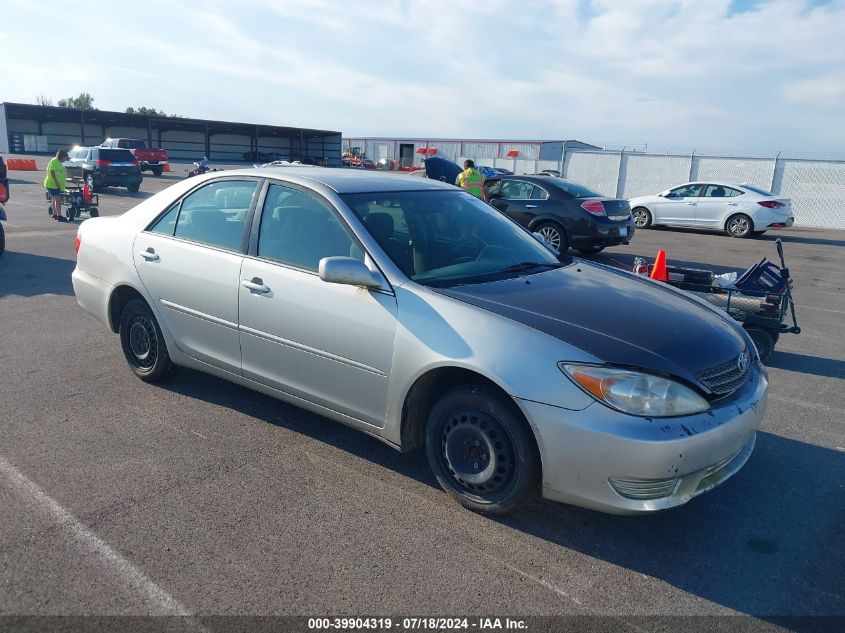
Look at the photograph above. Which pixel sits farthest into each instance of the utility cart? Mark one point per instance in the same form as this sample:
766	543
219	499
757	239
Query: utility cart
760	298
77	201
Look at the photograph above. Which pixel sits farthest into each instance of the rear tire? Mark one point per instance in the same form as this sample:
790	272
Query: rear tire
157	171
642	217
482	451
143	343
554	235
133	188
2	240
763	341
94	212
739	225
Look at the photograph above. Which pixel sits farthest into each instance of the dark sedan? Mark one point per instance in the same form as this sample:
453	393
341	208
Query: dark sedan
563	212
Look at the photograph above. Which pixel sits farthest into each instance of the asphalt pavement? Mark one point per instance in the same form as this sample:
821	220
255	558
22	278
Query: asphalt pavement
198	497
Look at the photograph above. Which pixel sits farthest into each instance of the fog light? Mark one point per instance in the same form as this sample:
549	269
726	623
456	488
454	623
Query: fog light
642	489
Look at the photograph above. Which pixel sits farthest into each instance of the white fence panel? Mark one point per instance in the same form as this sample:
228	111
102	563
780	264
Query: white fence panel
817	191
599	171
644	175
754	171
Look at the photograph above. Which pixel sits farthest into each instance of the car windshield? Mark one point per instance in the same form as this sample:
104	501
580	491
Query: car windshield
574	189
448	238
762	192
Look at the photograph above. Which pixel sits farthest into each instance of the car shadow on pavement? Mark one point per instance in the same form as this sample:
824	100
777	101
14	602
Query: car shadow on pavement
801	239
765	543
625	261
827	367
223	393
29	275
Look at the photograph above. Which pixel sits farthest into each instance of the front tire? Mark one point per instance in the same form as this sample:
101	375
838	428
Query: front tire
763	341
482	451
739	225
143	343
2	240
642	217
554	236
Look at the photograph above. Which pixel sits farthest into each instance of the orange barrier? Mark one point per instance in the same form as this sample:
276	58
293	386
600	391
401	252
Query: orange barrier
21	164
659	270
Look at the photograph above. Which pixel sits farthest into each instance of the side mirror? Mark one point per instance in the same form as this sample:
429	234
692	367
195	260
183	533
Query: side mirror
347	271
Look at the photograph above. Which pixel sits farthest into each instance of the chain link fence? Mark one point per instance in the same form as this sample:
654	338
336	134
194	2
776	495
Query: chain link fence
816	187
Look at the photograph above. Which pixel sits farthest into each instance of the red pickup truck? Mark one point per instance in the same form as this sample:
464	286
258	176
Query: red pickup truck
154	160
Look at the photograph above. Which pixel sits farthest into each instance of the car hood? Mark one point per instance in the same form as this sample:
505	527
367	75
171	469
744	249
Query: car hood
442	169
617	317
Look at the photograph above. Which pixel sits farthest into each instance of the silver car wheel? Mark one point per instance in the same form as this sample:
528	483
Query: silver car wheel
642	217
739	226
551	235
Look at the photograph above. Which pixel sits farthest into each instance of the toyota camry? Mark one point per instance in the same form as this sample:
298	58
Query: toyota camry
420	315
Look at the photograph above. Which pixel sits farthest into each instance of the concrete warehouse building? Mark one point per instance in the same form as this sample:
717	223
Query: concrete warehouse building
35	129
410	151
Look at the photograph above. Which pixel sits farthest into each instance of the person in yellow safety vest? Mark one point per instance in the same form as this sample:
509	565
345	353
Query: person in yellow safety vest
472	181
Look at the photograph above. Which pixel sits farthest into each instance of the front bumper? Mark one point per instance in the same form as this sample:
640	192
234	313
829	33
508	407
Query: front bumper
605	460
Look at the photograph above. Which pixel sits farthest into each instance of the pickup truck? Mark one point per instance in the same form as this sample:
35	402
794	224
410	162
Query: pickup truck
154	160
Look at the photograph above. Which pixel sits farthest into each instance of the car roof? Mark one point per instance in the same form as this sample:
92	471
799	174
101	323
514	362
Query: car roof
344	181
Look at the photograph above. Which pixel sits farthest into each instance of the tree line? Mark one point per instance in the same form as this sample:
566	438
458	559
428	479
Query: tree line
84	101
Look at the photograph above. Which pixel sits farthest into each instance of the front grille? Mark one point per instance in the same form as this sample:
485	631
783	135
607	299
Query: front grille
727	377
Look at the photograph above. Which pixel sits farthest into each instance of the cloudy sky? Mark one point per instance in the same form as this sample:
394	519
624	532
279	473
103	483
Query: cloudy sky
741	75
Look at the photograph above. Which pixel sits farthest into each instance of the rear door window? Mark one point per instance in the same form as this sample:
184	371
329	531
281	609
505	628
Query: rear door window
721	191
215	214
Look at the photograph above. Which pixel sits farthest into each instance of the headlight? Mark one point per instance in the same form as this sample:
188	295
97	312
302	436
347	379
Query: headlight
636	393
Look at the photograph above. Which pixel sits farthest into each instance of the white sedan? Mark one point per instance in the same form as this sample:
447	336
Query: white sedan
739	210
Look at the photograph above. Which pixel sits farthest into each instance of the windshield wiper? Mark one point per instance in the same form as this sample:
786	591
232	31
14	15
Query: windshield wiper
529	265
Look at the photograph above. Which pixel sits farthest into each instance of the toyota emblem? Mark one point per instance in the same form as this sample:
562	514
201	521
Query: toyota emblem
742	362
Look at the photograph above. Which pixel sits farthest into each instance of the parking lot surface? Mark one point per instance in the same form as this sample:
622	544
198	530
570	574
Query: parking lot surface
200	497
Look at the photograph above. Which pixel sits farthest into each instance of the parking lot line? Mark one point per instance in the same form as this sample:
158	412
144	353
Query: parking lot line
90	542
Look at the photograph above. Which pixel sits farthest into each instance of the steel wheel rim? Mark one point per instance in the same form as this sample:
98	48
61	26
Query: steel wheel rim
738	226
640	218
552	236
143	342
477	452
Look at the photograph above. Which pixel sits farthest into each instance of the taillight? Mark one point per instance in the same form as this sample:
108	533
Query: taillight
78	243
595	207
102	163
770	204
136	163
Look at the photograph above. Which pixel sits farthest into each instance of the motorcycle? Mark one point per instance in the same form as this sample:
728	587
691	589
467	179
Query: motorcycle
200	168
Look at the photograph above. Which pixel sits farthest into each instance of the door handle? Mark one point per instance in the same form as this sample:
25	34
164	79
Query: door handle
255	285
731	204
692	204
530	206
149	255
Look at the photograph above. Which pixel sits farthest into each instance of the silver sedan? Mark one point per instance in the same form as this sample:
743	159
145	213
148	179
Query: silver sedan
420	315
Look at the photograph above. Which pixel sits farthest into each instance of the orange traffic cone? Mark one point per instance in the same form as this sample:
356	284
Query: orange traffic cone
658	272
